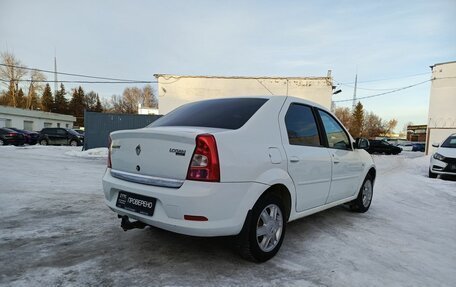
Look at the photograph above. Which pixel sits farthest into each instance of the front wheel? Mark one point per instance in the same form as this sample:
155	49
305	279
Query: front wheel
364	199
43	142
264	230
73	143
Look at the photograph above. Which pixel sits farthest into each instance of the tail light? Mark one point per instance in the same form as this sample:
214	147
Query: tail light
205	165
109	152
11	134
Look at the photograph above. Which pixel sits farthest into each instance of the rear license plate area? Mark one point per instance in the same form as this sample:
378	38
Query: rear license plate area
137	203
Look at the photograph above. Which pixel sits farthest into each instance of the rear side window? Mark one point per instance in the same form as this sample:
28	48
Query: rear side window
61	132
337	138
219	113
301	126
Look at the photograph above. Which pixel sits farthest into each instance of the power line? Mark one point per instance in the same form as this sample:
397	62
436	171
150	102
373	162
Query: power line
83	82
71	74
367	89
385	93
388	79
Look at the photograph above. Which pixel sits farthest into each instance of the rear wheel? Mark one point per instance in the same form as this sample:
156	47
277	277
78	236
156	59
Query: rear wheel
364	199
43	142
263	230
73	143
2	142
431	174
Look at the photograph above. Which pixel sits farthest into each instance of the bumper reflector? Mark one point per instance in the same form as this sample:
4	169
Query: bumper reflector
195	218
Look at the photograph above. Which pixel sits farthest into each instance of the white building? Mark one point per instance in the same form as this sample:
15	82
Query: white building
33	120
146	111
174	90
442	104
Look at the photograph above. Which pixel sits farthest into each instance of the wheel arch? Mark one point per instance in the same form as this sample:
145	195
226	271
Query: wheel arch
279	183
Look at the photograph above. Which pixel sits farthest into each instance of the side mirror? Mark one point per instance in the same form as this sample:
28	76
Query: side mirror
435	144
362	143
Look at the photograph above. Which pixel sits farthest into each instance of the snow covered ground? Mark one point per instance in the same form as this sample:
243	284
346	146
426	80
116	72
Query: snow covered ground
56	231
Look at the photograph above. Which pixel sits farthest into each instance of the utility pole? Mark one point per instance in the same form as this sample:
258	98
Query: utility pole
354	92
55	74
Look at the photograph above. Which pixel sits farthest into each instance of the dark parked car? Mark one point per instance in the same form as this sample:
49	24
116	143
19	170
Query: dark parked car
31	138
60	136
79	131
379	146
8	136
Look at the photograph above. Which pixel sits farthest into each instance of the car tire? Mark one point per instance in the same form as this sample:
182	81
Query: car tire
2	142
264	230
43	142
73	143
432	175
363	201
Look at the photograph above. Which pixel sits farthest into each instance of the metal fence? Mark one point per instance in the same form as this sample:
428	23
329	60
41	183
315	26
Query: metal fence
97	126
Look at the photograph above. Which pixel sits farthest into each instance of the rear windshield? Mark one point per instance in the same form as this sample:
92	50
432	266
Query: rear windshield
450	142
220	113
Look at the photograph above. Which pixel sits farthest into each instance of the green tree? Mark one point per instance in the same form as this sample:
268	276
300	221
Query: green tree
77	106
357	121
98	107
20	99
60	102
47	100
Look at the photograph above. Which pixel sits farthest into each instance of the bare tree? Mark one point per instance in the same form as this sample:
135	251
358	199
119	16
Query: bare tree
11	74
344	115
373	125
389	126
150	100
36	87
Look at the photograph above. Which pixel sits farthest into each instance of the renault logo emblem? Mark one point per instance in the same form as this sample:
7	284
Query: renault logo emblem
138	149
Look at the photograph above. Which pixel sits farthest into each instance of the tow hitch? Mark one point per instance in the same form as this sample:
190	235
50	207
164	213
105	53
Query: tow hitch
126	224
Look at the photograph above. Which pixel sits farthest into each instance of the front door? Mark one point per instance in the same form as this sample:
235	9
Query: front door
309	163
346	164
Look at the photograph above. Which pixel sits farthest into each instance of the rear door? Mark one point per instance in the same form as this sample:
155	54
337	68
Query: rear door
51	135
346	164
61	136
309	163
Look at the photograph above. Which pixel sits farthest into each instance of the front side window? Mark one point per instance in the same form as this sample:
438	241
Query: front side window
301	126
337	138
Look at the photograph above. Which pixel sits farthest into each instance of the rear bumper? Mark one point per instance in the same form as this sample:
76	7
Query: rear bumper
224	204
15	141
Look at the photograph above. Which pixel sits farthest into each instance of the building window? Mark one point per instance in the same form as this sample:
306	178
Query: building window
67	125
58	125
8	123
28	125
47	125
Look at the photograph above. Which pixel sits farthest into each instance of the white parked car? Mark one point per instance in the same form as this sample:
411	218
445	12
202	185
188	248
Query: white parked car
443	161
237	166
406	146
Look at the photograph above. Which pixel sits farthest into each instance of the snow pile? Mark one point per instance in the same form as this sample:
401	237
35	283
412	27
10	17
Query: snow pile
100	152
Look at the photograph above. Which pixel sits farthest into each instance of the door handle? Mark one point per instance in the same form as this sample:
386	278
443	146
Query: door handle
294	159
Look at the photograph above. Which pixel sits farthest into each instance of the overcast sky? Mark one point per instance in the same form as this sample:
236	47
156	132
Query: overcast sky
136	39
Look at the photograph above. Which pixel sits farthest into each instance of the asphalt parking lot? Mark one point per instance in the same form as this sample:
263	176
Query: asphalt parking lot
56	231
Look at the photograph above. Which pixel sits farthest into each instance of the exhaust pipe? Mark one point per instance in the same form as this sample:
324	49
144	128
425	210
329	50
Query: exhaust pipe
126	224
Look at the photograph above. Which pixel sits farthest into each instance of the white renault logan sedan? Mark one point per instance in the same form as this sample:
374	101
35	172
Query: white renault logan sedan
237	166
